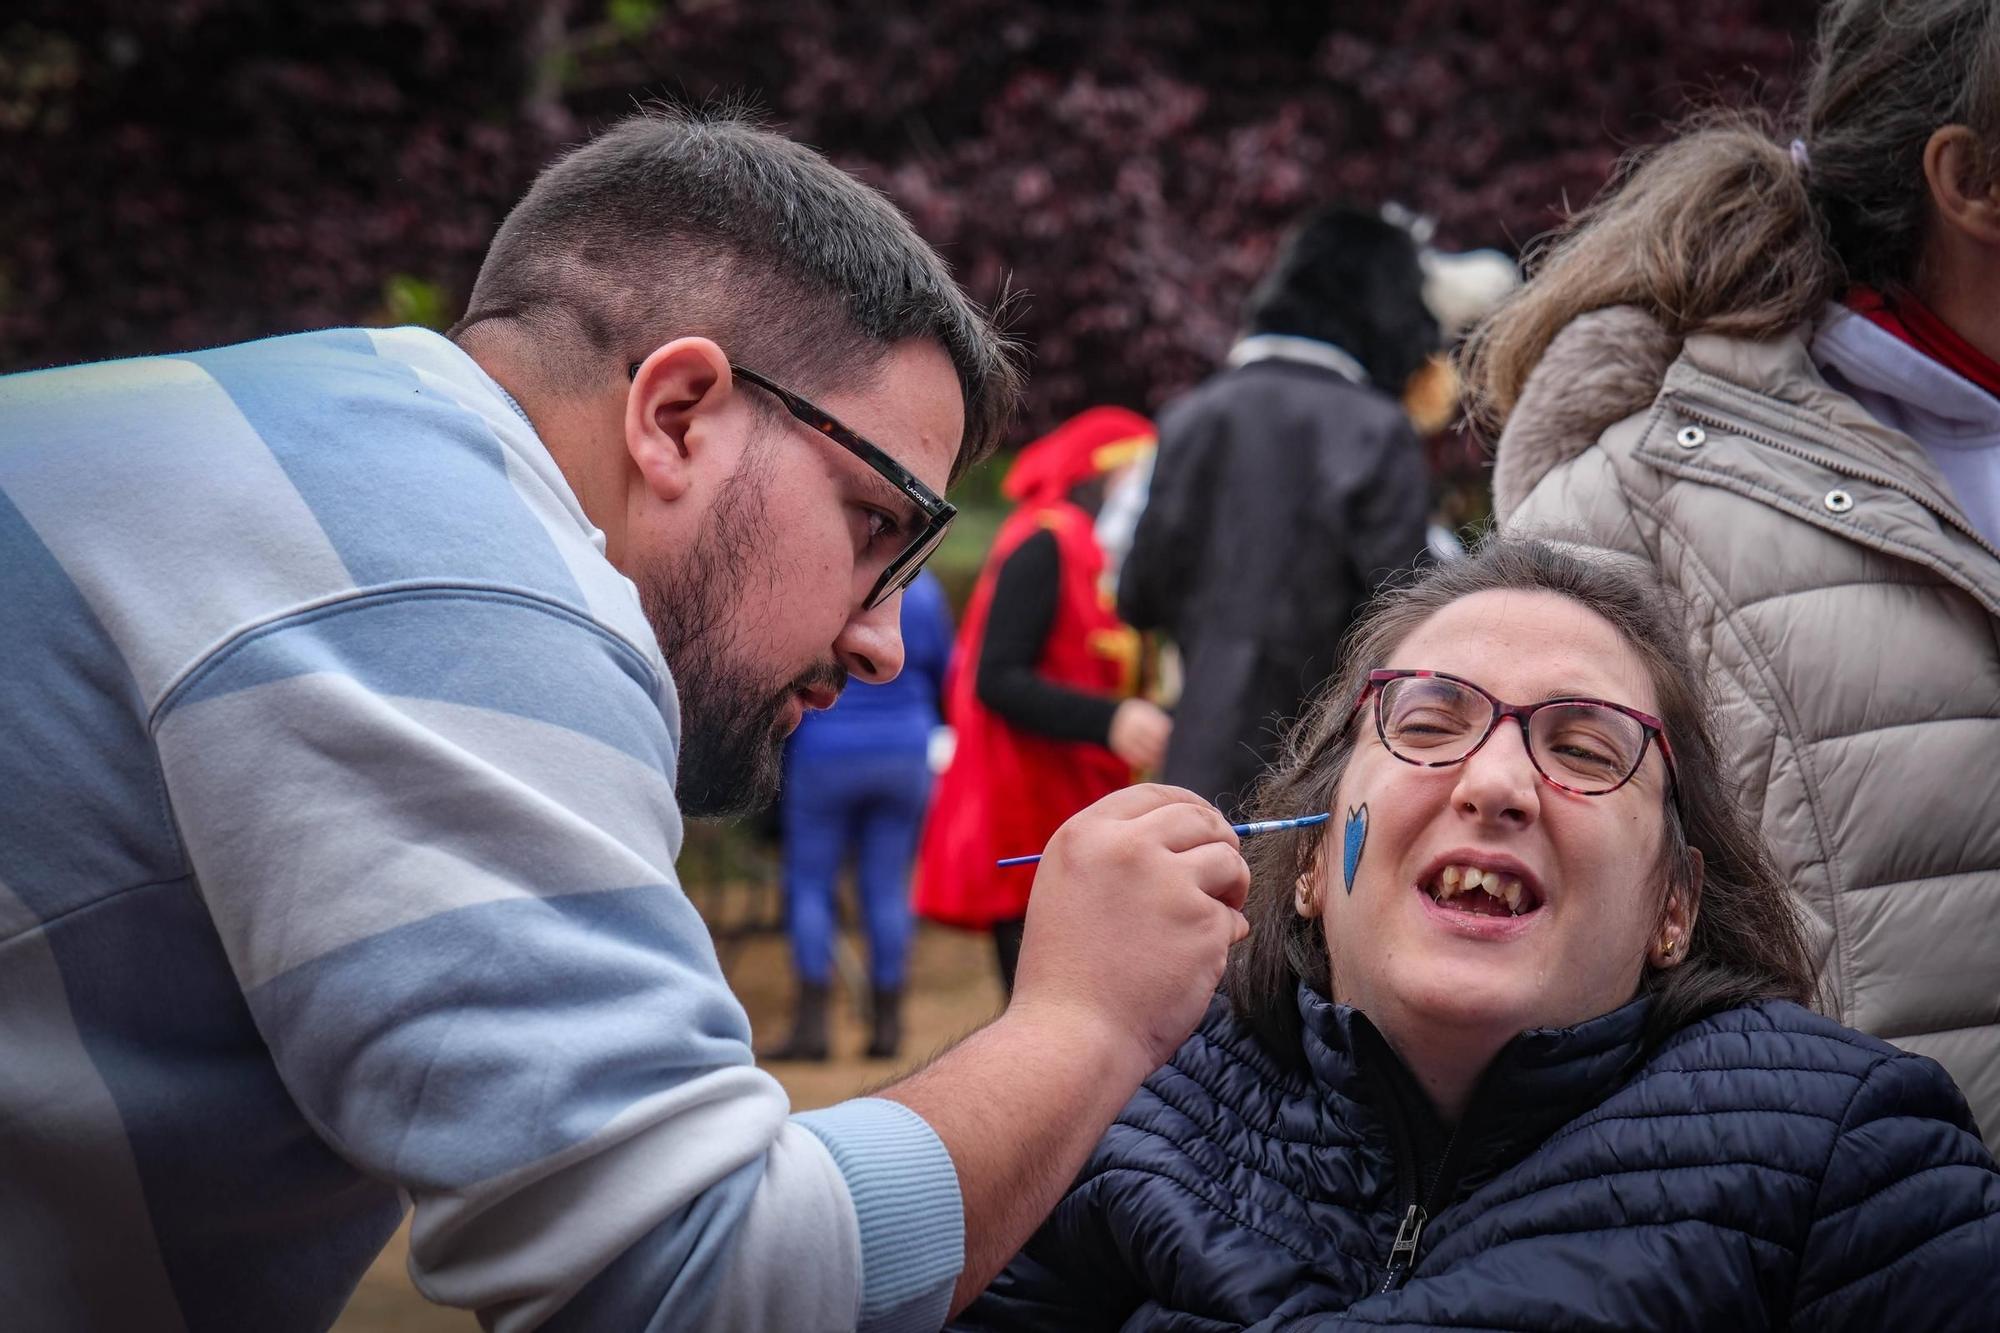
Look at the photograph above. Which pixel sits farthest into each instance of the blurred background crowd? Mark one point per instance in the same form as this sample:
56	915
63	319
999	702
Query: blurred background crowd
1145	189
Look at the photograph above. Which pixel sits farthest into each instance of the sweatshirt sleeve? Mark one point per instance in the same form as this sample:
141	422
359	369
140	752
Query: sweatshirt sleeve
1906	1228
436	829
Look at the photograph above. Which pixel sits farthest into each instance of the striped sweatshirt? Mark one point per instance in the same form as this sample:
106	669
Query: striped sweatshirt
337	839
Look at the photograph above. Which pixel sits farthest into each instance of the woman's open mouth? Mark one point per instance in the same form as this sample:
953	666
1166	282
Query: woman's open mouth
1481	891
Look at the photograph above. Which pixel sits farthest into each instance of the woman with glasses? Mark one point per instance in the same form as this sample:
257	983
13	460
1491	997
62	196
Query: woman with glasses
1516	1040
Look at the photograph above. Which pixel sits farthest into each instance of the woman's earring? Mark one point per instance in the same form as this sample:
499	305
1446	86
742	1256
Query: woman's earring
1667	949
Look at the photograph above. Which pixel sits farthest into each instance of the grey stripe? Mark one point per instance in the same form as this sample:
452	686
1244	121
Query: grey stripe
437	806
796	1260
518	1246
77	1248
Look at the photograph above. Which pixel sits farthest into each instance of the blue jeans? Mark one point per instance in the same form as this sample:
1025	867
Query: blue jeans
873	803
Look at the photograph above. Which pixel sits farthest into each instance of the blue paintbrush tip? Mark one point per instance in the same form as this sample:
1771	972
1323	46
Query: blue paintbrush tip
1242	831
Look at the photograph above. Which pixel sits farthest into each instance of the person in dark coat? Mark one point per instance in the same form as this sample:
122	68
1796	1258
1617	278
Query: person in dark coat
1285	488
1515	1041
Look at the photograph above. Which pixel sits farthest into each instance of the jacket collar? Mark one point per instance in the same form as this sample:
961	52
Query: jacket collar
1303	351
1871	360
1809	438
1541	1080
1804	440
1775	383
1614	363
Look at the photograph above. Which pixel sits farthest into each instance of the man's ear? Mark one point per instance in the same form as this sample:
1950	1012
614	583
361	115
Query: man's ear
673	412
1964	185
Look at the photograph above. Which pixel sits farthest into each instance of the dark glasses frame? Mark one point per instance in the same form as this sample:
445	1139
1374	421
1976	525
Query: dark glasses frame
1653	729
936	512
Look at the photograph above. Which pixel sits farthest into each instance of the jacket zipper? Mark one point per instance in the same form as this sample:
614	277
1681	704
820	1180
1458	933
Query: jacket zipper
1403	1251
1841	466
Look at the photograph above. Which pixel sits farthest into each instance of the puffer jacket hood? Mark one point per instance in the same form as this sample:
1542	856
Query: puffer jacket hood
1848	615
1762	1168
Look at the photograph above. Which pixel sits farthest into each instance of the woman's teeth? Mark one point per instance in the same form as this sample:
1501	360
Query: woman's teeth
1455	881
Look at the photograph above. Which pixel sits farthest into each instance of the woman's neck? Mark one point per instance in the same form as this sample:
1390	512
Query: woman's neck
1960	281
1446	1064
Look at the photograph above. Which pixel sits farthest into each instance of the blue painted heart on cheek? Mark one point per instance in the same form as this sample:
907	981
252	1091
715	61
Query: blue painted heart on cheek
1356	835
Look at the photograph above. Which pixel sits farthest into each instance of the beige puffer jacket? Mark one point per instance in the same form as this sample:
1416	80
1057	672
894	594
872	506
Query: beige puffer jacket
1850	617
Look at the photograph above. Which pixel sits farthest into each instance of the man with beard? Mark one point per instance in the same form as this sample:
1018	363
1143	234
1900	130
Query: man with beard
352	678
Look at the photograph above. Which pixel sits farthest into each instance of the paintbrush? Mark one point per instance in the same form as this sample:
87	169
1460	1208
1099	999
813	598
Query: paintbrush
1242	831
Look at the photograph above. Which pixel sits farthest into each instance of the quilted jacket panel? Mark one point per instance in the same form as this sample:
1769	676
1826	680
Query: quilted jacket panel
1764	1168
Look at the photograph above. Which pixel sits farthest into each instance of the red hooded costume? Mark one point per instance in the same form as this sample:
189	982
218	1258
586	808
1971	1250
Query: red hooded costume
1006	789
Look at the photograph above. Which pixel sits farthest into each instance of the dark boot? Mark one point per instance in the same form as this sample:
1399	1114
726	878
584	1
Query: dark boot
886	1036
808	1039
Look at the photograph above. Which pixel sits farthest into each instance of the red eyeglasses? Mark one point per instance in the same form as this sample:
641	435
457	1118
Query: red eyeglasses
1588	746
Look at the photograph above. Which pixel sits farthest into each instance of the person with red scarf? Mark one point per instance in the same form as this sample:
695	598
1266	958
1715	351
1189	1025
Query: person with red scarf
1770	367
1041	690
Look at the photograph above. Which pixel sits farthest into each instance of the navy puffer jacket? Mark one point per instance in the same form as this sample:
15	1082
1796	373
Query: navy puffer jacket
1762	1168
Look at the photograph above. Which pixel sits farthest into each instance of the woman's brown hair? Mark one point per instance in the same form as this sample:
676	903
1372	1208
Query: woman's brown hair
1746	945
1729	229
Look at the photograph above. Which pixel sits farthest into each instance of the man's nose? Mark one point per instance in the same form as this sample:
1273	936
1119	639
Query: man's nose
870	644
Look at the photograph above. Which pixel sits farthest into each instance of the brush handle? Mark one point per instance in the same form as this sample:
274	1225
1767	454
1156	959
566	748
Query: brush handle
1242	831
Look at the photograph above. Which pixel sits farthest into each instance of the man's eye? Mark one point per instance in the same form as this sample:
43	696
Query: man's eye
882	526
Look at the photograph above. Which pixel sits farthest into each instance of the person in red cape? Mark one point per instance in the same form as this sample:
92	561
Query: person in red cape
1040	692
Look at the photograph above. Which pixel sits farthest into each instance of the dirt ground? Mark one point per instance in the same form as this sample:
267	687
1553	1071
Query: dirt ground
953	989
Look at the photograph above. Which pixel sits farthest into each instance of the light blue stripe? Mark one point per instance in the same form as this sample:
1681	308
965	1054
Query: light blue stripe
457	1048
82	809
906	1199
553	665
259	1225
666	1280
405	483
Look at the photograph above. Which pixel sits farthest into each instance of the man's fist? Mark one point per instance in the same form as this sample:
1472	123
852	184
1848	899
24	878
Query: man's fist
1136	903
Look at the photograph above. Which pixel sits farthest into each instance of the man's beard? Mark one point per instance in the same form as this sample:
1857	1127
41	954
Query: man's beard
732	732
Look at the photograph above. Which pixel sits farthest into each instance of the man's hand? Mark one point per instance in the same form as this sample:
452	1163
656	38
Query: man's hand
1139	732
1136	903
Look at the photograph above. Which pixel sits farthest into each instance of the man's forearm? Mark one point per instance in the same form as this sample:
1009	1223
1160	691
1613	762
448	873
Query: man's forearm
1019	1105
1134	908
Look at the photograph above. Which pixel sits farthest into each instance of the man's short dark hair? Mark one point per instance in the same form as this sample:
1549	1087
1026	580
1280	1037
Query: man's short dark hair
677	222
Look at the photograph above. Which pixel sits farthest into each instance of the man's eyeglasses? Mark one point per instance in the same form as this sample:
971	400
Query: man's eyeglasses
1587	746
935	512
